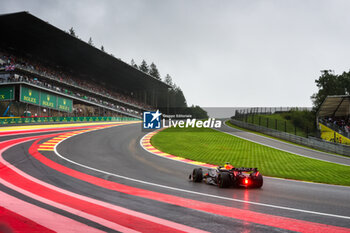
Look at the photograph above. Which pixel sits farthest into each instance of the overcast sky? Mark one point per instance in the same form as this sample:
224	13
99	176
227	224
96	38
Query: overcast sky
221	53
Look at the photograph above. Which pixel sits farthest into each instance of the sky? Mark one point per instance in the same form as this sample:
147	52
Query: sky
227	53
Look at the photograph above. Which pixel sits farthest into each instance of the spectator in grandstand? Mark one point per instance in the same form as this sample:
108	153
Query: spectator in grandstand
338	124
16	78
43	70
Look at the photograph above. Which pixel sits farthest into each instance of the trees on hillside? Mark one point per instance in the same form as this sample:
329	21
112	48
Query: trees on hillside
168	80
153	71
197	112
90	42
330	84
133	64
176	97
178	103
72	32
144	67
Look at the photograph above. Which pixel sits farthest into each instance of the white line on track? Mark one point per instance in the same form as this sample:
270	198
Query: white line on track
193	192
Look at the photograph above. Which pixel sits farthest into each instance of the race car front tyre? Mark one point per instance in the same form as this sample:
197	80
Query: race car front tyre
224	180
197	175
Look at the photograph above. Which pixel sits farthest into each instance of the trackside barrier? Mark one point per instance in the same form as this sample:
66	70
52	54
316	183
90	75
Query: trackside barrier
312	142
17	120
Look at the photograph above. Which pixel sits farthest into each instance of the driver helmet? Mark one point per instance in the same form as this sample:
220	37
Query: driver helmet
228	166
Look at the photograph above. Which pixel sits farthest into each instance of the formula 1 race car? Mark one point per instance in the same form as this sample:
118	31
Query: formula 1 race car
229	176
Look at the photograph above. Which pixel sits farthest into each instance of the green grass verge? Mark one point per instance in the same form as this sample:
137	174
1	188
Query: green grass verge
214	147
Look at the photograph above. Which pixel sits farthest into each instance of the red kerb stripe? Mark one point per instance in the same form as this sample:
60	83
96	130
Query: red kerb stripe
245	215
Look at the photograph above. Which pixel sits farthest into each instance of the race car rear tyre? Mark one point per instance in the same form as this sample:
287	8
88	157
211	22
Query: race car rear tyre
224	180
258	181
197	175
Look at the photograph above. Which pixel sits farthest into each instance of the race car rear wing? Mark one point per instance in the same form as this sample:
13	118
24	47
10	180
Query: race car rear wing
240	169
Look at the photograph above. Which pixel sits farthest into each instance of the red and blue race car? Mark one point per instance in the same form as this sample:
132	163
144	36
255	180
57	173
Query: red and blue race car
229	176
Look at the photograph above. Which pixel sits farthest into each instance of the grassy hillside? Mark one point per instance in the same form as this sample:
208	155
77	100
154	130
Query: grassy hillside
301	123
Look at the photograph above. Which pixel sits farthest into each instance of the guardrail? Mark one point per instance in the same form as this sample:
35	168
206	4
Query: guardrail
310	141
24	120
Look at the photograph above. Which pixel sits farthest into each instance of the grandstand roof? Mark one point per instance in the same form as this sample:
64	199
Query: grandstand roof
26	34
337	105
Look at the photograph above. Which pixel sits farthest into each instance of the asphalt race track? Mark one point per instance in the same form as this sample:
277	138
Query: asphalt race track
104	180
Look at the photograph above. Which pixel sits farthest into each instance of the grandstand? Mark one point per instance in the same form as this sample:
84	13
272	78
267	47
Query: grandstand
333	118
47	72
